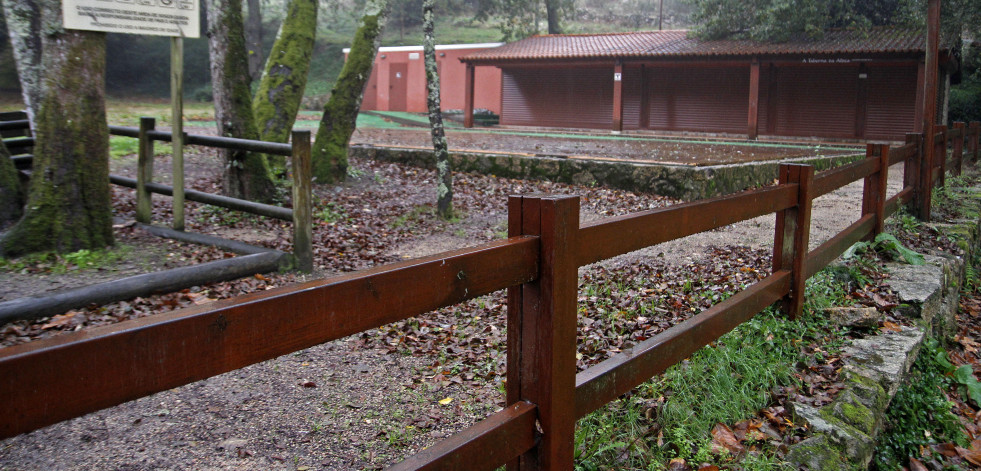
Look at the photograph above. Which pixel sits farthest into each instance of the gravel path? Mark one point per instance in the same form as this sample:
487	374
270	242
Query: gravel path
334	406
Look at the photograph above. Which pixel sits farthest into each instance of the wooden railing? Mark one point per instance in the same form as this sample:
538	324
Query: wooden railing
16	124
538	265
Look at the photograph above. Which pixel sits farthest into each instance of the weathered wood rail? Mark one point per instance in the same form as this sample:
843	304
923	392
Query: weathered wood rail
537	264
15	129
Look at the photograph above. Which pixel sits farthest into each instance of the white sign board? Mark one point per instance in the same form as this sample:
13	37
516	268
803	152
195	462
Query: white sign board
148	17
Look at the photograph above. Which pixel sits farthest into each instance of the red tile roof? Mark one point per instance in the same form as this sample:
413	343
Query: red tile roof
668	44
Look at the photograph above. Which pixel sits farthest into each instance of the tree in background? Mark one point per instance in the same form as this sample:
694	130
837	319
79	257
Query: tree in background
11	197
246	174
23	21
68	198
444	175
521	18
341	111
285	78
778	20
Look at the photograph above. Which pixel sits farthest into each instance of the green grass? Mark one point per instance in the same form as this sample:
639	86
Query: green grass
122	146
726	382
63	263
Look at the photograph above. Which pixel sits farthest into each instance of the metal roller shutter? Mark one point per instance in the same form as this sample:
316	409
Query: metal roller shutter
891	111
572	98
705	99
815	101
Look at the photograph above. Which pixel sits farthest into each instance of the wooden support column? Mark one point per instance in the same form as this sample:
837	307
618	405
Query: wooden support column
874	194
144	171
302	201
911	170
791	235
862	101
468	97
929	106
754	99
957	154
542	328
618	96
940	154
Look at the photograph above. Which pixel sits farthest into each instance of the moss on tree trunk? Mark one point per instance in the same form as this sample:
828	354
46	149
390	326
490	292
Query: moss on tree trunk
285	77
246	174
68	200
341	111
11	196
444	175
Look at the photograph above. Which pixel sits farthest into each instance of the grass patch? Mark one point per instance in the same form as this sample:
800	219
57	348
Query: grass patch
672	416
920	414
122	146
52	262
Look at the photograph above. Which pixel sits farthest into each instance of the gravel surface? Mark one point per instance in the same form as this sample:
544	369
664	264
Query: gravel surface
340	405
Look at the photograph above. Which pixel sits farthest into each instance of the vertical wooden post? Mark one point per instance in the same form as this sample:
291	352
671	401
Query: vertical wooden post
468	96
874	194
975	128
177	127
753	129
931	63
144	171
957	155
542	328
618	96
302	224
911	171
792	233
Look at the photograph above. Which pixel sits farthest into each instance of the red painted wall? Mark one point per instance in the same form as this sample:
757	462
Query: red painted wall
398	80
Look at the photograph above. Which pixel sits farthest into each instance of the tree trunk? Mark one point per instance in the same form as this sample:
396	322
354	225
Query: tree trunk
552	11
11	196
24	26
278	99
68	200
341	111
246	174
253	37
444	175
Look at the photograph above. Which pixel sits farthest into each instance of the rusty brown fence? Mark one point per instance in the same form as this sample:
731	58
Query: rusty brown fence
538	265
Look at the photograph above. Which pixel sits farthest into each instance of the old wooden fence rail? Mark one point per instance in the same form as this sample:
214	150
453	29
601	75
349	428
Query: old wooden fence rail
299	152
538	265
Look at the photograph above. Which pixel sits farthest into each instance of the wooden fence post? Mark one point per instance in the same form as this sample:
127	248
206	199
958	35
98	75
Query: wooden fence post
874	194
144	171
542	328
911	170
957	155
925	186
302	224
791	236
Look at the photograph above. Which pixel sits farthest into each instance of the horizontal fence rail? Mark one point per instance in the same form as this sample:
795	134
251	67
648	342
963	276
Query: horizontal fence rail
264	147
538	265
176	348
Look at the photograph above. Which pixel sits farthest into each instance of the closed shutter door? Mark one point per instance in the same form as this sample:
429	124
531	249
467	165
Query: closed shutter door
815	101
571	98
891	111
632	87
704	99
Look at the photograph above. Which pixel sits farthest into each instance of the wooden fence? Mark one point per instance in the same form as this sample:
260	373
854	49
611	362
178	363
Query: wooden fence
537	264
16	124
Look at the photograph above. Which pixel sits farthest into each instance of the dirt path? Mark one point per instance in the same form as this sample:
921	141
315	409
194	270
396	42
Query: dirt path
340	405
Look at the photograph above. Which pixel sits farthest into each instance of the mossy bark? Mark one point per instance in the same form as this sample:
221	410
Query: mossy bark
444	175
11	195
68	202
341	111
23	19
246	174
285	77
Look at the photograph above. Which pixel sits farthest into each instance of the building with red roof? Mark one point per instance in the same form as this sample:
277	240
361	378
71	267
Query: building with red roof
849	84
